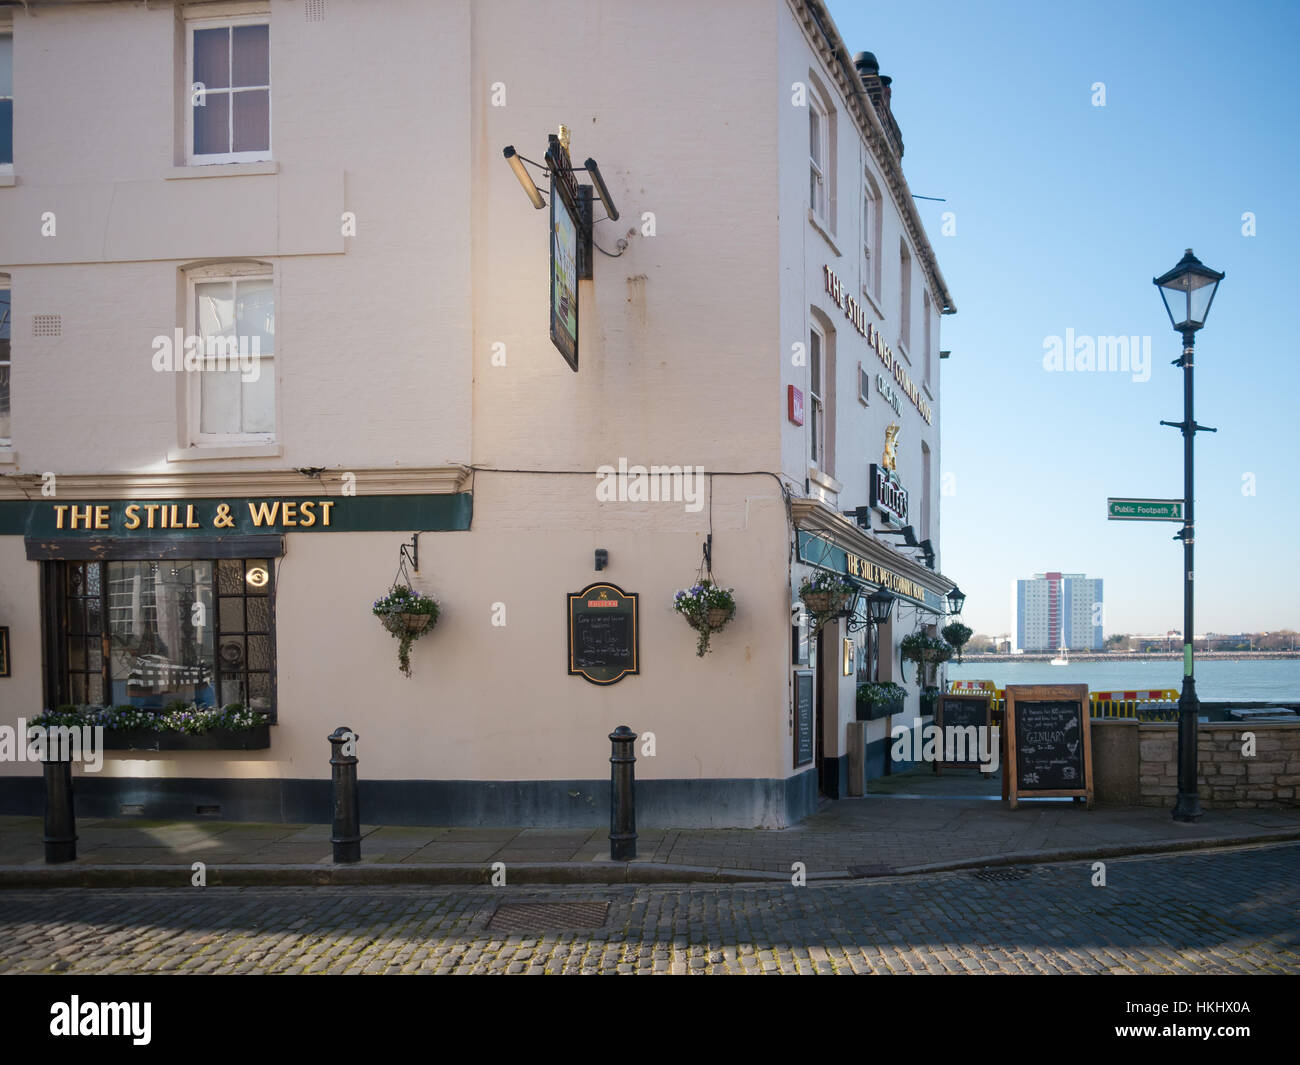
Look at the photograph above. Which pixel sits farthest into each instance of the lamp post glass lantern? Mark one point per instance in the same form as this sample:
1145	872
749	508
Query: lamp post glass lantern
880	604
956	600
1188	291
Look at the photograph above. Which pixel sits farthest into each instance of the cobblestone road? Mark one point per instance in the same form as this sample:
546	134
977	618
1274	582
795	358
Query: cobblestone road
1222	912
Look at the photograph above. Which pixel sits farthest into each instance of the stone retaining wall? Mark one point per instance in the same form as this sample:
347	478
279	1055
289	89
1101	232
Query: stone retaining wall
1271	777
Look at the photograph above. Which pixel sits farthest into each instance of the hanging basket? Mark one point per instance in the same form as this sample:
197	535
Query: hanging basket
411	624
712	620
824	602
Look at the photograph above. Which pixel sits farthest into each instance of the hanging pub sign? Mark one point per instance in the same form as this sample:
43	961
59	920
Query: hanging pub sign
566	214
602	624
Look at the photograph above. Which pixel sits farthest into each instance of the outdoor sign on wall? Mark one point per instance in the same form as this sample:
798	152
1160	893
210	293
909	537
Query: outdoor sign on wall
887	495
857	314
4	651
230	516
1049	744
804	749
602	625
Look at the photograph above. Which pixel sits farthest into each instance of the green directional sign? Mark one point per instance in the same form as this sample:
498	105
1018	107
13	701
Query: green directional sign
1144	509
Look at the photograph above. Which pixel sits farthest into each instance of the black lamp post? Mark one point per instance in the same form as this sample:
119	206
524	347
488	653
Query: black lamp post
1188	290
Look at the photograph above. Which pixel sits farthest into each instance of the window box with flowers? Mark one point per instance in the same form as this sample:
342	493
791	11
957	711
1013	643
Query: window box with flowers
880	700
178	728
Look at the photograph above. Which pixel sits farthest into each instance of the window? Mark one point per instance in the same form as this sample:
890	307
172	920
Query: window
925	491
6	102
817	175
6	361
925	355
816	405
230	91
147	633
232	315
905	295
871	214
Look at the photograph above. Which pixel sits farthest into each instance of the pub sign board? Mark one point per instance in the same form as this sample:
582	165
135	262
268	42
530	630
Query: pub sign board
602	626
1049	742
804	748
964	712
564	276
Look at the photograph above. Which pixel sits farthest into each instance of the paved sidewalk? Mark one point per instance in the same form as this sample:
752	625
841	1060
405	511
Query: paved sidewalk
869	837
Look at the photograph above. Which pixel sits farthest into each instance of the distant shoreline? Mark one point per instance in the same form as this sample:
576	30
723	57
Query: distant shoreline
972	657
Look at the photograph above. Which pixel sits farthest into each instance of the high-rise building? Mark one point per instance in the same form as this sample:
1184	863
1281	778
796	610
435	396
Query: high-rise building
1056	610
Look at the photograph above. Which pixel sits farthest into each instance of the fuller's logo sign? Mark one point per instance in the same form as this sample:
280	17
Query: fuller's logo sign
888	495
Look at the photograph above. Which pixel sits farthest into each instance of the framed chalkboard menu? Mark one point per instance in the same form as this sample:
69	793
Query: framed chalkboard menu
1049	744
804	746
602	626
972	710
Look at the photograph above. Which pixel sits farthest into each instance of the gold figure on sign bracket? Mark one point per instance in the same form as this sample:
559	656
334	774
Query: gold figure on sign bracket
890	457
564	137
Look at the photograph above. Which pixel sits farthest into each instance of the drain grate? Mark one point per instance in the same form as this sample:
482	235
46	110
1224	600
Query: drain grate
549	916
1001	874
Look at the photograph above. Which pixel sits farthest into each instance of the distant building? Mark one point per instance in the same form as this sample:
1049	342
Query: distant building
1059	610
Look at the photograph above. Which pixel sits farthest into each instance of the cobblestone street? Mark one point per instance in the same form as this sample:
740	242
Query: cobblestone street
1221	912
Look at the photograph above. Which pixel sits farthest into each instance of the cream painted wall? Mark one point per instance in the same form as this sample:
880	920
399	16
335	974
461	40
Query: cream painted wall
385	344
859	431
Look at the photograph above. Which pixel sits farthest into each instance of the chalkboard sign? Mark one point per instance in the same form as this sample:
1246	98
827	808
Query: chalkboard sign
966	711
804	746
602	624
1049	742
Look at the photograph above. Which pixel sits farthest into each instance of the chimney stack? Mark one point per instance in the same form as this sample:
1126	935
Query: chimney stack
879	92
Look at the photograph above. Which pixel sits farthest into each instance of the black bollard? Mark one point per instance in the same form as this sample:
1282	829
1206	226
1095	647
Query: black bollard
347	803
60	817
622	795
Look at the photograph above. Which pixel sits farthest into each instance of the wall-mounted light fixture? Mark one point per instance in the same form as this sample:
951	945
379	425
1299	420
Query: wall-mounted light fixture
906	532
516	162
602	559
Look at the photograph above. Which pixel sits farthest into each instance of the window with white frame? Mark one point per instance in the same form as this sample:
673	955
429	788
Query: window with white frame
818	157
229	68
905	295
232	317
6	102
817	397
871	216
5	360
925	355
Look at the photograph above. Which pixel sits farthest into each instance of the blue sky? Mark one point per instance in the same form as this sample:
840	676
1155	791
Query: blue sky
1064	213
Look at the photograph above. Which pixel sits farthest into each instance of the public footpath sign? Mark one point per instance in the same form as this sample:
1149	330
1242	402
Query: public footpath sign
1144	509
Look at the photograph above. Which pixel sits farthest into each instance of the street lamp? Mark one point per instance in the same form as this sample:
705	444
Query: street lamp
1188	290
956	600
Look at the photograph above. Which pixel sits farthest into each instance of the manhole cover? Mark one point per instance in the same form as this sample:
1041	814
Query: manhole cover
1001	874
871	870
538	916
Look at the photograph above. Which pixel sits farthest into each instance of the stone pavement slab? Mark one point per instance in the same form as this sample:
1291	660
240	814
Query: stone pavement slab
871	836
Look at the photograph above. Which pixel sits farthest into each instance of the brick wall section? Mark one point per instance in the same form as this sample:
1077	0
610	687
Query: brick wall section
1226	779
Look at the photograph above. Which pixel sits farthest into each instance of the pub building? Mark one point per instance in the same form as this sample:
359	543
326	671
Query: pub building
265	362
